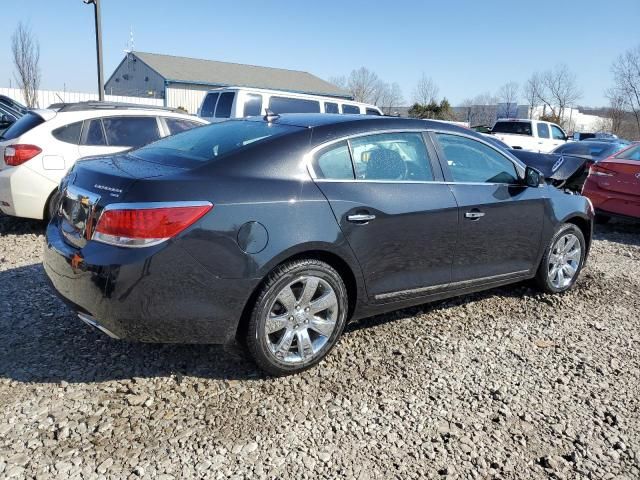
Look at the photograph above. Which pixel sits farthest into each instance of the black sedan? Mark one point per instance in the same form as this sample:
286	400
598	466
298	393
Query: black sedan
277	231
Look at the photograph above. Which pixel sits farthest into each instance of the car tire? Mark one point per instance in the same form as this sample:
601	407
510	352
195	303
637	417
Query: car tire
564	254
290	303
602	219
52	205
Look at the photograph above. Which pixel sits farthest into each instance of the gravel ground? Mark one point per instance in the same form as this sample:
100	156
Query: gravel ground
503	384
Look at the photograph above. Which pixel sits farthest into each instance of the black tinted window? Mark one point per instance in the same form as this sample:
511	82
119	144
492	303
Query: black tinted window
130	131
543	130
209	105
347	109
69	133
178	125
372	111
213	141
22	125
473	161
391	156
223	110
94	134
252	105
518	128
331	108
293	105
334	162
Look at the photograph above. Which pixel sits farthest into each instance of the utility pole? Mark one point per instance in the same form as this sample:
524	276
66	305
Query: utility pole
96	9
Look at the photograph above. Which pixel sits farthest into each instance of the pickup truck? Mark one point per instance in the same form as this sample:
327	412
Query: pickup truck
532	135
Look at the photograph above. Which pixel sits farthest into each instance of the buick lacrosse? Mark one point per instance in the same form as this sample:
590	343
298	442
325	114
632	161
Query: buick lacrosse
278	230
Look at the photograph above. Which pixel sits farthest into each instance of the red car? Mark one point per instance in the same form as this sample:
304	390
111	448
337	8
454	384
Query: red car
613	185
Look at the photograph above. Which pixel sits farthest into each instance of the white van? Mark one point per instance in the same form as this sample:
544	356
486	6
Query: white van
240	102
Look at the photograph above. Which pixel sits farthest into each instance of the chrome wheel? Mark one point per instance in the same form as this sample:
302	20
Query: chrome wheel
564	260
301	320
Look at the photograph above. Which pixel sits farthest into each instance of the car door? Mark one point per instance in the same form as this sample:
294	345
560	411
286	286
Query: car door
501	219
558	137
544	137
399	217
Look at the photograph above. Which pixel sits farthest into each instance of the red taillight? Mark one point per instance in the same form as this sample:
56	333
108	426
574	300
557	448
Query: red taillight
138	227
15	155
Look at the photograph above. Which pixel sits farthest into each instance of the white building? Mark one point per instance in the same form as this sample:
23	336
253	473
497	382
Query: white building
182	82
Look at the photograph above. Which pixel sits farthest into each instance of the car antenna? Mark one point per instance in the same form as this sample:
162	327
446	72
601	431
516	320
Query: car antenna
270	116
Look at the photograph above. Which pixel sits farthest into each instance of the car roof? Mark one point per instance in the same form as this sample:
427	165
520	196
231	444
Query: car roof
313	120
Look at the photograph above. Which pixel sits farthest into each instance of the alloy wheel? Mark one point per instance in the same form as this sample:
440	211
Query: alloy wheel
301	320
564	260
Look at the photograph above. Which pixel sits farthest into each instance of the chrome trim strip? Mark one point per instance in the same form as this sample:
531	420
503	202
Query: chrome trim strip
89	320
308	157
462	283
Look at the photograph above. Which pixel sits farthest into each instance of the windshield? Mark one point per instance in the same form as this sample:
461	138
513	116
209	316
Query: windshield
22	125
213	141
596	150
517	128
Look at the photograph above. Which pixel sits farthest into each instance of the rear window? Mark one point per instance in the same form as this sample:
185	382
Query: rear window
69	133
595	150
632	153
178	125
209	105
214	141
22	126
293	105
347	109
223	110
517	128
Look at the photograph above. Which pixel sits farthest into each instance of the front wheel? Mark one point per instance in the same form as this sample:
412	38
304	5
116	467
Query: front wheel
298	316
562	260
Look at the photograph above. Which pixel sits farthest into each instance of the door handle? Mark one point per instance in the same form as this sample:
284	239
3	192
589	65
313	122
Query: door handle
474	215
360	218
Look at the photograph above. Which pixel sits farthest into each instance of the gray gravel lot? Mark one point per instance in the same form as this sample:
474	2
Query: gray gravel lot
503	384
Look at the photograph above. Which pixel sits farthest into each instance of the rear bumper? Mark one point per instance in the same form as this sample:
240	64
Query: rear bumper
23	192
156	294
607	202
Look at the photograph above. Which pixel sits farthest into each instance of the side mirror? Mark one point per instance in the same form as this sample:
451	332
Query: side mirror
533	177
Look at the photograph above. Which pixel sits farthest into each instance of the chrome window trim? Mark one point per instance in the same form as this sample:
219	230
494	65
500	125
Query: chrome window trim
309	156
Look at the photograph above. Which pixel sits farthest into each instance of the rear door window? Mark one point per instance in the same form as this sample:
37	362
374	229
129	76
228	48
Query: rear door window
252	105
350	109
517	128
130	131
209	105
93	133
177	125
293	105
543	130
223	110
334	163
22	126
331	107
69	133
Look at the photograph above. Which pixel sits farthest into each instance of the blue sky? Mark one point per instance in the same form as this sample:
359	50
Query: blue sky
467	47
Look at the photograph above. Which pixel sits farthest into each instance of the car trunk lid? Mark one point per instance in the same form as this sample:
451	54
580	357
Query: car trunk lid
624	178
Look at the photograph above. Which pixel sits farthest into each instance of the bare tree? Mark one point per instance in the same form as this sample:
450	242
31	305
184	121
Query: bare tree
508	94
26	59
390	97
426	91
626	73
531	92
364	85
558	90
480	110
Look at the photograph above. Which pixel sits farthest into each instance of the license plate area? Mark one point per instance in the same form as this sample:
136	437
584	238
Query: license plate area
78	211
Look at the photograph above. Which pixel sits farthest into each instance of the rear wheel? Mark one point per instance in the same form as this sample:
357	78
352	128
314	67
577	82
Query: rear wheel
602	219
563	260
297	318
52	205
